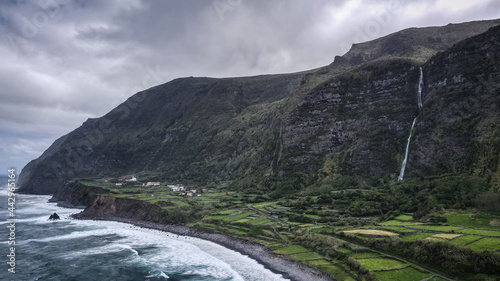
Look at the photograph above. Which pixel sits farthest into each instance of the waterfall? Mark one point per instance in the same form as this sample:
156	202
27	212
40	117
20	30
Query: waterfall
420	88
403	166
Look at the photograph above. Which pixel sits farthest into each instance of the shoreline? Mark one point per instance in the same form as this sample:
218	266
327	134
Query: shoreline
279	264
138	213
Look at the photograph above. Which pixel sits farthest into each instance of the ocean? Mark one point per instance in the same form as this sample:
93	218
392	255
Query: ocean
71	249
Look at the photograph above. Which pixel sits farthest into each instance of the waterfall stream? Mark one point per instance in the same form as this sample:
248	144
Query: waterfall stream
420	89
403	166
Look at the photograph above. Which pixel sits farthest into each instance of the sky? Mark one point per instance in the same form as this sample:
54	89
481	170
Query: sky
64	61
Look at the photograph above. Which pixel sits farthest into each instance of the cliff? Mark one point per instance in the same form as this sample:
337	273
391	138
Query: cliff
357	123
281	132
110	207
77	194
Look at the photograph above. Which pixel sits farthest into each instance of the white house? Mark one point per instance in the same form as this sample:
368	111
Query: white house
176	187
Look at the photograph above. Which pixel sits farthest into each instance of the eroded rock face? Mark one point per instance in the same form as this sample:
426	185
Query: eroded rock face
459	128
76	194
359	120
108	207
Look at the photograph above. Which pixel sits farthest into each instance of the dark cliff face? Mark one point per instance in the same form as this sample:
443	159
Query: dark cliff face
343	120
76	193
191	129
355	124
107	207
459	128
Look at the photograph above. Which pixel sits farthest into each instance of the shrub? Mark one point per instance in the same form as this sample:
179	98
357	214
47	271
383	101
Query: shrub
489	201
255	231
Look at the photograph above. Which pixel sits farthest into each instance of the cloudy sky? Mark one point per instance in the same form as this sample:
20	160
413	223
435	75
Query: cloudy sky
63	61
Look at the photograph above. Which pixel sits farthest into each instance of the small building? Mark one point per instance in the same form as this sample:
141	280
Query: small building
118	183
176	187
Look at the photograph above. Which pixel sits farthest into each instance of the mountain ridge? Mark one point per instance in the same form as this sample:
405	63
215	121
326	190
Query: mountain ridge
282	131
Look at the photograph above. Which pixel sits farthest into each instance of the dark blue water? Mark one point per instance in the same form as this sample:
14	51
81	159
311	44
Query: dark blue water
98	250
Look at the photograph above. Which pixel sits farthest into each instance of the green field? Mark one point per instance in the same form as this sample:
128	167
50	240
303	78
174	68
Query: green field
485	244
237	217
399	223
342	276
343	250
404	218
243	220
465	239
375	232
216	217
337	272
407	274
364	254
237	232
275	245
288	250
480	232
415	237
399	229
268	232
307	256
319	262
470	219
259	220
443	228
381	263
227	212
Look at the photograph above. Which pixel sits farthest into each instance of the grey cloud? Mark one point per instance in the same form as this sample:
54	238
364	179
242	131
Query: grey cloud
89	55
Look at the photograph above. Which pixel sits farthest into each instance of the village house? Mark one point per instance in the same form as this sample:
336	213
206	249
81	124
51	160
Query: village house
176	188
